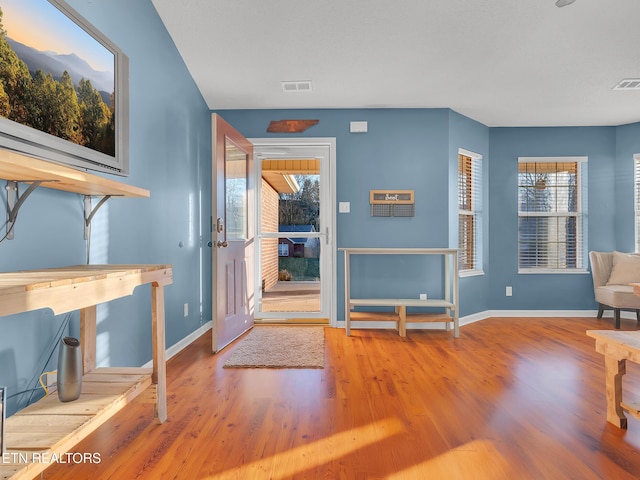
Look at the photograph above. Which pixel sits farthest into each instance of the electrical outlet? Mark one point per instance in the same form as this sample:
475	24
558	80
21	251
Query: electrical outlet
50	379
186	309
423	296
509	291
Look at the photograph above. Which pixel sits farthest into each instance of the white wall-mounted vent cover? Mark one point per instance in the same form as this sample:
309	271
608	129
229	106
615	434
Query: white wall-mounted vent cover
628	84
296	86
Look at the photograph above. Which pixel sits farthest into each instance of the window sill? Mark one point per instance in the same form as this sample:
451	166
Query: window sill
553	271
470	273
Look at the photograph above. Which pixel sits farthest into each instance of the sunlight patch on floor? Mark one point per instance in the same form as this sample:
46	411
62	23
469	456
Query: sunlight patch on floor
326	450
479	460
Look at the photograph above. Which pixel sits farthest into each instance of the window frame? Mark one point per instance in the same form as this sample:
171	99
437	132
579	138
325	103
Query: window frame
636	199
580	215
475	198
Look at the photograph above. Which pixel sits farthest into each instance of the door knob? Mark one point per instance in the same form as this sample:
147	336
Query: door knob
209	244
222	244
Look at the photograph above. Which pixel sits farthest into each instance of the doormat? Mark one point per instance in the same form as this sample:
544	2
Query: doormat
280	347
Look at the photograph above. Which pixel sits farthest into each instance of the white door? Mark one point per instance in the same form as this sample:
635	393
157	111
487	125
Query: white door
232	233
295	230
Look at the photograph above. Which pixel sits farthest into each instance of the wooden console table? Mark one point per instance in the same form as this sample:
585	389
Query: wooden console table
617	347
49	426
449	303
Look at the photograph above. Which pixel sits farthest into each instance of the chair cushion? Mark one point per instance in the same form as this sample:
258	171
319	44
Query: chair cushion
618	296
626	269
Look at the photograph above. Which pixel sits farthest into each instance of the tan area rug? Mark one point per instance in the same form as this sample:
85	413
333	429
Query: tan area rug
280	347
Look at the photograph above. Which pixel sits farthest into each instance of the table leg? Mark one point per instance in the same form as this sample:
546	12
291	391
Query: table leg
402	322
614	370
347	295
88	332
159	376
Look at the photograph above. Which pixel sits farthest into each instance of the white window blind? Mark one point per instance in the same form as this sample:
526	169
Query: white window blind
636	197
551	220
469	211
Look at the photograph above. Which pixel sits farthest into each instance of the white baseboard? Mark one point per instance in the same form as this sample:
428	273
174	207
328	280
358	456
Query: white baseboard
476	317
555	313
466	320
176	348
540	313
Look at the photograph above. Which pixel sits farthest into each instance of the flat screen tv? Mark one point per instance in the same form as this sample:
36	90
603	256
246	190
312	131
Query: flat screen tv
64	88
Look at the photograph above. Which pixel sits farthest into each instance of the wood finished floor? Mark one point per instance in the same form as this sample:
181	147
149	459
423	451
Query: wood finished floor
512	398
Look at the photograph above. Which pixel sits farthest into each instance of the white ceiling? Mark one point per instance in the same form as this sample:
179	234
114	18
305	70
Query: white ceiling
500	62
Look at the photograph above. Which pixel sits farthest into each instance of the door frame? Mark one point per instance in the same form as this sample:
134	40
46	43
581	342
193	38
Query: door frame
330	142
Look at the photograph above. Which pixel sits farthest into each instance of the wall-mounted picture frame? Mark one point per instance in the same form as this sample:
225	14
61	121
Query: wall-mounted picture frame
64	88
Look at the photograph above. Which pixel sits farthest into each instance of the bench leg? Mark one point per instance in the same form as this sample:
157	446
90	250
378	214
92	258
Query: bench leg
614	370
402	322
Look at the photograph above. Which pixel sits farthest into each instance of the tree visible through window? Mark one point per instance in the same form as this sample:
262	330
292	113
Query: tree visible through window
550	214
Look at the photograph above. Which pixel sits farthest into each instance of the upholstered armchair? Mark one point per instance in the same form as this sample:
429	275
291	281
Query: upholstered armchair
612	273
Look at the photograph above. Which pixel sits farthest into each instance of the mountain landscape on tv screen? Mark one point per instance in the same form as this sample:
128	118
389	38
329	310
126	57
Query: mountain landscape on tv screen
56	64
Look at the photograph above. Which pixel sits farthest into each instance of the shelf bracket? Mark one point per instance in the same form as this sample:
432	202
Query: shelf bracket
15	201
89	212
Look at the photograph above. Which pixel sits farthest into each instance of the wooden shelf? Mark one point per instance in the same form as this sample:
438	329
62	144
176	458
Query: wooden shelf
376	316
23	168
428	317
50	427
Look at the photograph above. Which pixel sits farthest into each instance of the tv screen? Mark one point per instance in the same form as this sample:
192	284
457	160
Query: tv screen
63	88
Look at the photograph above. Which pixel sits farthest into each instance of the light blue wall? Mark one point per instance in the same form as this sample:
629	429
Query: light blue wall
557	291
473	136
171	157
627	144
408	149
423	146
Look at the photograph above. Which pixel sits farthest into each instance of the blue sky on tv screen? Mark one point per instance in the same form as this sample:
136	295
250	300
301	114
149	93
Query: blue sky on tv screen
40	25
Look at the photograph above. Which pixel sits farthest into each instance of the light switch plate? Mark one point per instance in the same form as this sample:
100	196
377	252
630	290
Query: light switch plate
344	207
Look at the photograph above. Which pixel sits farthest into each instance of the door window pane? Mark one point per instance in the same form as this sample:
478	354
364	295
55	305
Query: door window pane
235	192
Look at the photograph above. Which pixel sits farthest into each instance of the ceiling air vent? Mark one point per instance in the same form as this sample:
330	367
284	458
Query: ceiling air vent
297	86
628	84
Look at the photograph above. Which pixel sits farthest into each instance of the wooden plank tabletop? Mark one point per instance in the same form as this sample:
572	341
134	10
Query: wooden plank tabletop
65	289
628	337
617	343
26	280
